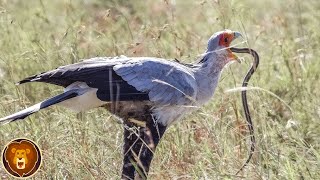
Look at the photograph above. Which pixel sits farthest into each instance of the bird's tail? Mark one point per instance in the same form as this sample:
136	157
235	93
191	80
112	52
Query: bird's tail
46	103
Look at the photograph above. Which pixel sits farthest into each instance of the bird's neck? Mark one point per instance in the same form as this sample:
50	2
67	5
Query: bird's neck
212	63
207	75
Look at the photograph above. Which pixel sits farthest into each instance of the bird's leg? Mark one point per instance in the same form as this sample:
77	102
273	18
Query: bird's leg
140	141
131	140
152	134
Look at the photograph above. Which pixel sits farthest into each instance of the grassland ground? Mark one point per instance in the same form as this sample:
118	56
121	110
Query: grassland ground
39	35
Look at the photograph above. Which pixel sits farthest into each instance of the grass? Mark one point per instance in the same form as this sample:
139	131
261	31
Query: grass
39	35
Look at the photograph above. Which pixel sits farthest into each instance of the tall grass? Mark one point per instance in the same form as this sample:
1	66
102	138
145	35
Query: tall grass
39	35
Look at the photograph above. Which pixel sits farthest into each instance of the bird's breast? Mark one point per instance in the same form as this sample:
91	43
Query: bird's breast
206	87
166	115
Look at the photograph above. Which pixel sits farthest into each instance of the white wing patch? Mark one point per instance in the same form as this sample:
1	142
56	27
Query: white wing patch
86	100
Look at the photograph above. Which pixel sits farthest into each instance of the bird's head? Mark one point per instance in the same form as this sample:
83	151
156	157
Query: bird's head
220	42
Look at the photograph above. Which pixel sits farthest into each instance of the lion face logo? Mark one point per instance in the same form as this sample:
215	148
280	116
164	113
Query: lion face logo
21	158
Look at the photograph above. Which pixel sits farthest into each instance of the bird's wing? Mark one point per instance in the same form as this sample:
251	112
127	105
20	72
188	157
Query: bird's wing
96	73
166	82
82	71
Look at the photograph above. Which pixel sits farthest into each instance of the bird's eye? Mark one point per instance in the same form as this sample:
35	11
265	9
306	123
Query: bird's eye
226	40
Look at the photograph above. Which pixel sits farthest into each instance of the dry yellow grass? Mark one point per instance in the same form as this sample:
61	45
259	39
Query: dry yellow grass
39	35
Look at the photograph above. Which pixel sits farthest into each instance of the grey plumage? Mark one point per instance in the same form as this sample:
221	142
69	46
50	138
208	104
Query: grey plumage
153	90
150	75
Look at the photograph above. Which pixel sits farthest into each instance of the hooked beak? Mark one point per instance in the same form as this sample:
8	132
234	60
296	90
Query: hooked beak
232	56
237	34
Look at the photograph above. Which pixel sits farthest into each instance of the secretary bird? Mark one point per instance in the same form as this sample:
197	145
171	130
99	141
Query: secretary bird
147	93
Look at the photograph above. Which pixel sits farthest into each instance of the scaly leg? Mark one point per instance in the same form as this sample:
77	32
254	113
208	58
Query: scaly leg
140	143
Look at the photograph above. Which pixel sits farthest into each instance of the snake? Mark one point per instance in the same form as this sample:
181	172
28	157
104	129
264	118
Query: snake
246	79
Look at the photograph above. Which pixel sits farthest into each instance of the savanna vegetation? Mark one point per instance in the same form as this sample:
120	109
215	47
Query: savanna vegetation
39	35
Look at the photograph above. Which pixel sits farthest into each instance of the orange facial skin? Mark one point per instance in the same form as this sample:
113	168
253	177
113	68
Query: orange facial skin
225	40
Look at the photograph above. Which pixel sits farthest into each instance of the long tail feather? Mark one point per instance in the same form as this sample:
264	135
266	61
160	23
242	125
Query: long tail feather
46	103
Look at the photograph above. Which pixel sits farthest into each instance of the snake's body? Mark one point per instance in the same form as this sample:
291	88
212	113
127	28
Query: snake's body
244	99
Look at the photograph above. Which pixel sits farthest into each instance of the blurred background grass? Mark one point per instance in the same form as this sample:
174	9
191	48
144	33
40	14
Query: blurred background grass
39	35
